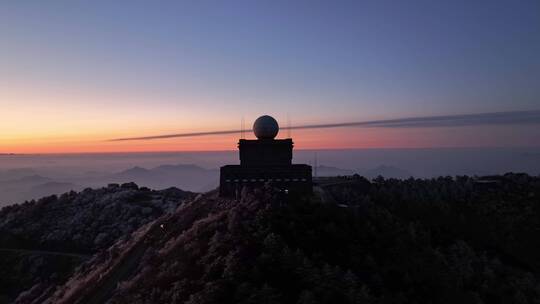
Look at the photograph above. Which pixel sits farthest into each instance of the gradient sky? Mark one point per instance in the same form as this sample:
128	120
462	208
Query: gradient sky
76	73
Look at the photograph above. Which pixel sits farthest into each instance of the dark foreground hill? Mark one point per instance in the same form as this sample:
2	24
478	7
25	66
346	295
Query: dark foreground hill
41	242
443	240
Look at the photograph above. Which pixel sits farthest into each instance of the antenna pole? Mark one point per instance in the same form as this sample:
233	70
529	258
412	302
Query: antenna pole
242	132
316	164
288	126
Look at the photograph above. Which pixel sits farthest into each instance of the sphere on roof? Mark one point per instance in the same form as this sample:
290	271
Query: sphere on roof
265	127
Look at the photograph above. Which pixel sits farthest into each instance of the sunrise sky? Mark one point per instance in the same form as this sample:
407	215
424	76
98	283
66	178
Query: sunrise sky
75	74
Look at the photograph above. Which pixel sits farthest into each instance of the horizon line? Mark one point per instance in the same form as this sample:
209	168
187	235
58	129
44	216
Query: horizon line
296	149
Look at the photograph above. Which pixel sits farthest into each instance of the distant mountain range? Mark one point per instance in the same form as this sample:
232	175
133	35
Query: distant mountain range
32	187
331	171
20	184
190	177
16	173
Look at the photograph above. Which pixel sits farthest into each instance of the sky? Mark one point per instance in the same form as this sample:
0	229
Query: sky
74	74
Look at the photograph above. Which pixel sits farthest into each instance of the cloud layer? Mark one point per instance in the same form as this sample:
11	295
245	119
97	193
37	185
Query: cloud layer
494	118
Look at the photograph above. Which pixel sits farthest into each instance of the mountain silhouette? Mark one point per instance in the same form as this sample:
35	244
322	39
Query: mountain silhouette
407	241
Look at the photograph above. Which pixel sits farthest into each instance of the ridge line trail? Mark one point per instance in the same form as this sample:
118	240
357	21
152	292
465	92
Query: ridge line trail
104	289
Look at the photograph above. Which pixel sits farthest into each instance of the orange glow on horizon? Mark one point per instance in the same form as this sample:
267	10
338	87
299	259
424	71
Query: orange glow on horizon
340	138
305	139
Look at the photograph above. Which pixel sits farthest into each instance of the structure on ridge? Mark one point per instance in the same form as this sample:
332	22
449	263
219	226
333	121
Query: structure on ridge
265	160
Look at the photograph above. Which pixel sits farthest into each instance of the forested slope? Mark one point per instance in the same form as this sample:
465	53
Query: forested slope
445	240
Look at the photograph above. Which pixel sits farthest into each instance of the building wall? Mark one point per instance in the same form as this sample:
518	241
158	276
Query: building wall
293	178
265	152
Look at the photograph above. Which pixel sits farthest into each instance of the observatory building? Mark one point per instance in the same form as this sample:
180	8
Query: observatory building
265	160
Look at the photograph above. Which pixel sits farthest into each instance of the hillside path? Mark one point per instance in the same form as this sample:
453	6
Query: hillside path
129	263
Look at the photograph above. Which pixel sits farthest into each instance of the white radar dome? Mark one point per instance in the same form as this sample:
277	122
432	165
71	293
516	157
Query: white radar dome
265	127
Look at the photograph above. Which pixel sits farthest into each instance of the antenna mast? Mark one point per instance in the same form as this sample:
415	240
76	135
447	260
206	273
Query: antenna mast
242	127
316	164
288	126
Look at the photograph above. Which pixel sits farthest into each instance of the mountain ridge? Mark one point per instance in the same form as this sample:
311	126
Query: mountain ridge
79	224
380	242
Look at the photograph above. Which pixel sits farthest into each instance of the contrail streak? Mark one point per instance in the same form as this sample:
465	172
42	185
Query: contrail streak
493	118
